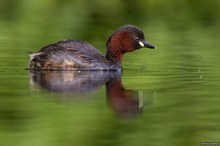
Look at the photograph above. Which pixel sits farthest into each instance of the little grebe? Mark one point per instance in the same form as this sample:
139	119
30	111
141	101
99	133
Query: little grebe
79	55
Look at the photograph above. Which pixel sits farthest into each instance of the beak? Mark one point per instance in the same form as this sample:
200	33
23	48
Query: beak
148	45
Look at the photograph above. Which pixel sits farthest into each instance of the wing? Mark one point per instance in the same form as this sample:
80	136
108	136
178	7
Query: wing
68	54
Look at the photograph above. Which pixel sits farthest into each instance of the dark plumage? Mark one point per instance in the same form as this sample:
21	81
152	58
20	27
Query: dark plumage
79	55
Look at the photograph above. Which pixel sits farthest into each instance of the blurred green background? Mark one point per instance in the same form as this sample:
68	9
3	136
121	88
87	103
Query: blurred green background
180	79
50	20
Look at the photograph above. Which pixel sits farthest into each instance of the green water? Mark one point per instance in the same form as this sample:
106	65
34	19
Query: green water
164	97
176	87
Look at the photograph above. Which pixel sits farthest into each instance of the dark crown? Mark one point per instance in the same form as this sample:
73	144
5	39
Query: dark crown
133	30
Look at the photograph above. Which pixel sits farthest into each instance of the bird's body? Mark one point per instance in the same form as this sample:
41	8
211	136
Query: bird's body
70	55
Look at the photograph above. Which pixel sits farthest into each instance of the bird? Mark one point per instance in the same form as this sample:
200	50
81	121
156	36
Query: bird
80	55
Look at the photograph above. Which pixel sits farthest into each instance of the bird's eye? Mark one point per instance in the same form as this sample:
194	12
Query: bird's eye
137	38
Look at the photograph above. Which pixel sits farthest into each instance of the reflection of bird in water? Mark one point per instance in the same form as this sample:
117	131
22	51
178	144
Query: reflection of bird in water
71	82
122	101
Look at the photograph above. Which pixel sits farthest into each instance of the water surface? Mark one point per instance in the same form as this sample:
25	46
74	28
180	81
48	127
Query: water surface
168	96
